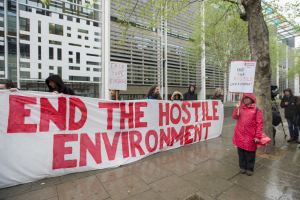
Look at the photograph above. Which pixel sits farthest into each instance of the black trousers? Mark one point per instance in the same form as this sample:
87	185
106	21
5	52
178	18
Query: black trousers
246	159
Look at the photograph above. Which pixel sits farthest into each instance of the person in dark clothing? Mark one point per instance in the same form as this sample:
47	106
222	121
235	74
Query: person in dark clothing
289	103
190	95
113	95
56	85
218	95
176	96
153	93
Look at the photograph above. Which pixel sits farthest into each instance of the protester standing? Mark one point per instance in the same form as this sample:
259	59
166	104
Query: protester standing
247	132
176	96
153	93
56	85
113	94
289	103
218	95
190	94
7	84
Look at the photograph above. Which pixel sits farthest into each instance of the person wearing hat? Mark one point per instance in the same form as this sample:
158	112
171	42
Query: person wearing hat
289	103
56	85
190	94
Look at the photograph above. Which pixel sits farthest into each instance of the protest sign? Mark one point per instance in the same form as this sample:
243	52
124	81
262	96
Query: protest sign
117	76
241	78
46	135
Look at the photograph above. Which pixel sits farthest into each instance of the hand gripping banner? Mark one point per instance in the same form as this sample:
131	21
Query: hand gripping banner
46	135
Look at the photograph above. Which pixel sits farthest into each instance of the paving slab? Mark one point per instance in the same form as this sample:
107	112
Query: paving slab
85	188
239	193
173	187
45	193
266	161
149	171
147	195
164	159
208	182
290	194
180	167
288	167
204	195
125	187
113	174
15	190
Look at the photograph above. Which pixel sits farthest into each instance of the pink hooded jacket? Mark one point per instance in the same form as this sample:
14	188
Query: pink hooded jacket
249	125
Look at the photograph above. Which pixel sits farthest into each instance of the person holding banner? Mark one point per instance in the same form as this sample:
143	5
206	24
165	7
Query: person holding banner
247	132
56	85
218	95
113	95
176	96
153	93
190	94
7	84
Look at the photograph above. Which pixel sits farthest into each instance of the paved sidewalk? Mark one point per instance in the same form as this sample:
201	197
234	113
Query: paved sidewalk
209	169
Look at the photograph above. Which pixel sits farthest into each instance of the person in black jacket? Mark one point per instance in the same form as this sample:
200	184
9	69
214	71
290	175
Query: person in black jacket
289	103
190	95
56	85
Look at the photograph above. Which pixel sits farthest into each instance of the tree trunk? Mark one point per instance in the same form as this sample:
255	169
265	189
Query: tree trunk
258	37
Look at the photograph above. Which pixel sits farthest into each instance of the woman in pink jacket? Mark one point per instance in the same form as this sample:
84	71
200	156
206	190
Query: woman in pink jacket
247	132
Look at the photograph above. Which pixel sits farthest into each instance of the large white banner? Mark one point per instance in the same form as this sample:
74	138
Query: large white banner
45	135
241	77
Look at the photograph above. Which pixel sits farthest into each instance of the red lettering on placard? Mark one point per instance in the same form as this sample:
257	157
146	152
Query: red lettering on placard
86	144
76	102
164	138
125	145
48	112
206	125
177	120
135	144
163	114
109	107
111	149
203	111
208	118
125	115
147	141
139	114
198	132
215	110
184	105
196	105
17	114
59	151
187	135
177	136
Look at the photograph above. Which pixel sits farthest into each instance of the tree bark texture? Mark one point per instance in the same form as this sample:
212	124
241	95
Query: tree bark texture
258	36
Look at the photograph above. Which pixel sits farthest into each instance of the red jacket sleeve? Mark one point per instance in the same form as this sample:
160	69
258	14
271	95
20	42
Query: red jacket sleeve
259	124
234	114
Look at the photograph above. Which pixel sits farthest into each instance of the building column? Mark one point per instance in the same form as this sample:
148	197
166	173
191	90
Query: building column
166	59
5	39
202	92
106	48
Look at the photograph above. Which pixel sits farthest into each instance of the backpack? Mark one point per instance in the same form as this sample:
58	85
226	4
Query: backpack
264	139
276	118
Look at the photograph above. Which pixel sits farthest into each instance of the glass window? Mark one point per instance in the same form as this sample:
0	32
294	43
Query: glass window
24	64
92	63
25	51
40	52
69	18
12	59
96	24
77	57
54	42
51	74
51	53
74	68
56	29
39	39
68	34
88	69
77	20
51	67
96	47
95	55
77	45
83	31
79	36
24	24
86	38
79	78
68	28
70	60
40	75
25	8
70	52
39	66
11	23
96	79
43	12
59	71
39	27
87	46
58	54
24	74
97	33
96	69
87	22
24	37
61	16
96	40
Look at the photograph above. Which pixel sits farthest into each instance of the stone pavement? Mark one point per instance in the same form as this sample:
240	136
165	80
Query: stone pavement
209	169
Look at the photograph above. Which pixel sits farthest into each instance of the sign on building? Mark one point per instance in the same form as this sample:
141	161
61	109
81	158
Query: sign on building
117	77
241	78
